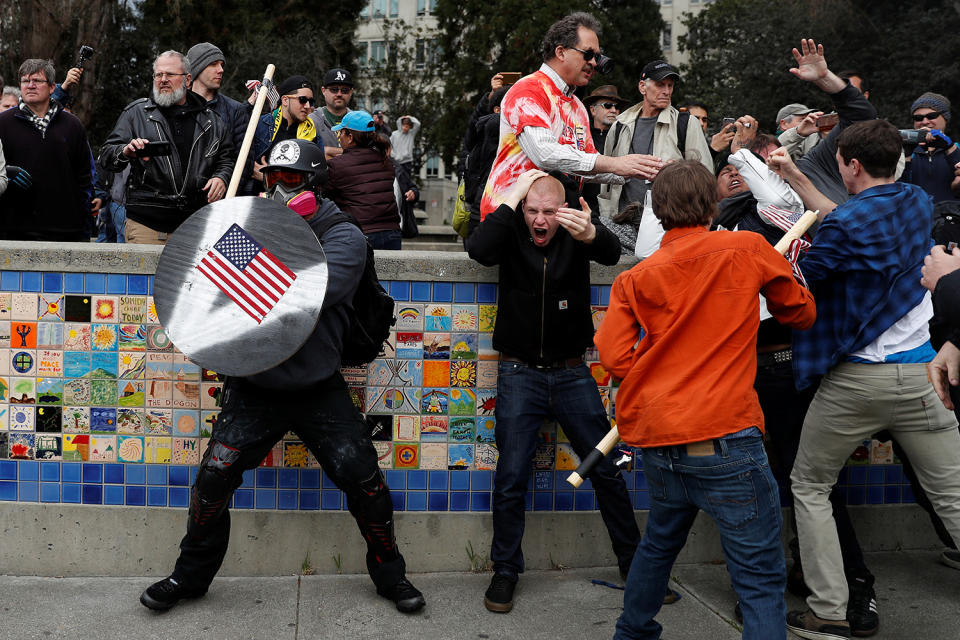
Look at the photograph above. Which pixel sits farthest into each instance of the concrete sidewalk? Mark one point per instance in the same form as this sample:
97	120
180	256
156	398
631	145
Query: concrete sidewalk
918	598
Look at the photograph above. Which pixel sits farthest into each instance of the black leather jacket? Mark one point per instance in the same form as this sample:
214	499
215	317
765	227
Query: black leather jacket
162	193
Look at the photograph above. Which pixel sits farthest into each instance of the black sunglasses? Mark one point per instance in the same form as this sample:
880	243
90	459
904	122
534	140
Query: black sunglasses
610	105
604	64
917	117
305	100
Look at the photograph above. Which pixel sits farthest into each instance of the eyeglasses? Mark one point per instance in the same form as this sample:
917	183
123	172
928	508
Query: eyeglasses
286	177
163	75
930	115
604	64
33	82
305	100
610	105
339	89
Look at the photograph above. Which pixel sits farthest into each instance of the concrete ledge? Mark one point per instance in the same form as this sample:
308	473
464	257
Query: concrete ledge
434	266
77	540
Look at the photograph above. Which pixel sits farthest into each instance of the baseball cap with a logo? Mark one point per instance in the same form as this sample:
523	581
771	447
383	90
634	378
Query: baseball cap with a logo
658	70
337	76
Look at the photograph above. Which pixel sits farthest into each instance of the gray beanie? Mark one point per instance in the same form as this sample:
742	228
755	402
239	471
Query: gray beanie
201	55
933	101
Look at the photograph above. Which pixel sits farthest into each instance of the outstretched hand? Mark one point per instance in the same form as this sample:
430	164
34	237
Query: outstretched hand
577	222
811	65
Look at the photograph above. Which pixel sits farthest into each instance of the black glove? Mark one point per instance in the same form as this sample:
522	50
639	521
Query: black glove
19	177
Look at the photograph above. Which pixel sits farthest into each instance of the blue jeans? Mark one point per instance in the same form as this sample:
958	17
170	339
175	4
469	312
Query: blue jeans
114	222
734	486
385	239
525	396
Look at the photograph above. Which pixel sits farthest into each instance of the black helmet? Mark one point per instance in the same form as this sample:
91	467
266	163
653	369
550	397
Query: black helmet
294	165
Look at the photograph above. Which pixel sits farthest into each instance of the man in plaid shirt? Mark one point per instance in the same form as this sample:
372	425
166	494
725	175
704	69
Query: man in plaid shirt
870	343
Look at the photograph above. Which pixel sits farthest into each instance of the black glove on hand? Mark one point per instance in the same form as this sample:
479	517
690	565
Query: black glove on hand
19	177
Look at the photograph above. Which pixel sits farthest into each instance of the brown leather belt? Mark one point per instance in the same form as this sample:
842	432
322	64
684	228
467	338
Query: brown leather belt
569	363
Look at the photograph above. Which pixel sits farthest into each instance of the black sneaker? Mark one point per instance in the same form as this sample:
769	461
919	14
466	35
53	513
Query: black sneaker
862	613
406	596
499	595
951	558
162	595
806	624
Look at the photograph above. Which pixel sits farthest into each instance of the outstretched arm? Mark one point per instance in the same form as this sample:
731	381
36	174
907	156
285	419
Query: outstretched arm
812	67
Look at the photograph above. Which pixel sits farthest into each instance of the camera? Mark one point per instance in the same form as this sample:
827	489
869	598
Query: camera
913	136
86	52
604	64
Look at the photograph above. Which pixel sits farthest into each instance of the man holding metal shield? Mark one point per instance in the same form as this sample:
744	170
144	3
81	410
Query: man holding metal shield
306	394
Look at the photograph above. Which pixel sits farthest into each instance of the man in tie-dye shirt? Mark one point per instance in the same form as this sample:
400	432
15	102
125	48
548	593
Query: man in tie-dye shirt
545	126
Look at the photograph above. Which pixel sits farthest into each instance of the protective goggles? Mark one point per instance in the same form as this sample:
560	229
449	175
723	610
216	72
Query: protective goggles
287	178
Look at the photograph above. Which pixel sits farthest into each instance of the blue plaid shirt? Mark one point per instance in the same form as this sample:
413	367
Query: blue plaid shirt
864	271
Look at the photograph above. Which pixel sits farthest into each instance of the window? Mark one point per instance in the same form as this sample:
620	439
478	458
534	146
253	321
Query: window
426	6
378	52
362	54
667	37
365	12
433	166
426	52
360	101
394	8
379	8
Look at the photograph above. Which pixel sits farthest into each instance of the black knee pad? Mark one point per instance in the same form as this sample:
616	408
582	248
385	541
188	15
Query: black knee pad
216	482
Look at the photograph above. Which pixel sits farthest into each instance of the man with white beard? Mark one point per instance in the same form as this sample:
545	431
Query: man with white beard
179	151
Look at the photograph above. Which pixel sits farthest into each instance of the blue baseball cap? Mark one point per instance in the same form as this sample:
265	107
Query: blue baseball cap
356	121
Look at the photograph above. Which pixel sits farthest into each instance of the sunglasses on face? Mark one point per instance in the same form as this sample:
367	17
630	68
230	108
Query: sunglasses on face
290	179
604	64
610	105
339	89
932	115
305	100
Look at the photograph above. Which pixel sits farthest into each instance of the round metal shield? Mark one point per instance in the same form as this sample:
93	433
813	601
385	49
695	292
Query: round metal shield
239	285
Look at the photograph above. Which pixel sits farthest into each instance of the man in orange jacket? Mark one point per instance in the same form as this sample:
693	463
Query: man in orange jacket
687	397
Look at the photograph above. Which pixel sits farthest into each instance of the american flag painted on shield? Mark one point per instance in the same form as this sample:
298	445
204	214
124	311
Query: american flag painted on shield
249	274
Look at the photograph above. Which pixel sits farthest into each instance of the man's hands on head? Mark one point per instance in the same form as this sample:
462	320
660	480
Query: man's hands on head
812	67
577	222
215	188
130	150
938	264
521	187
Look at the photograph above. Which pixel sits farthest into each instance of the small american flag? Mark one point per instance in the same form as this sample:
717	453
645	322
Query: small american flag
249	274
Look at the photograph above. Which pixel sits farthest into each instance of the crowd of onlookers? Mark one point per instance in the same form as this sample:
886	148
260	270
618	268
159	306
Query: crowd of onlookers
175	150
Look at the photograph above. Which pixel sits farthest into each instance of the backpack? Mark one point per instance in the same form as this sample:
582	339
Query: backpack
372	314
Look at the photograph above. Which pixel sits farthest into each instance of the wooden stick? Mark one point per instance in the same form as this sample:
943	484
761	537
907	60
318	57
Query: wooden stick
593	458
798	229
605	446
248	136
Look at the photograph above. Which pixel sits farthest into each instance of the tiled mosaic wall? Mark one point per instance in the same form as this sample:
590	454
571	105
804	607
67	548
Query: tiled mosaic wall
97	407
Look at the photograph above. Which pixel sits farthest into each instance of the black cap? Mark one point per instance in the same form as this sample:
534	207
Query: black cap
337	76
293	84
658	70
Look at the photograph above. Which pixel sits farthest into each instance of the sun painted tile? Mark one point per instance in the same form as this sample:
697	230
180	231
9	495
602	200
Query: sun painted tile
132	365
437	317
460	456
76	337
152	317
463	402
186	423
22	417
486	429
463	373
463	346
104	337
297	455
465	317
76	308
104	309
434	427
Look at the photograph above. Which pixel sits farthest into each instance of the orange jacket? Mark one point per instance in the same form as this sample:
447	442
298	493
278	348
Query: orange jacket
691	376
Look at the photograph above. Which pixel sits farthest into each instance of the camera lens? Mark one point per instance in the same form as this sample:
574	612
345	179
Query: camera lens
604	64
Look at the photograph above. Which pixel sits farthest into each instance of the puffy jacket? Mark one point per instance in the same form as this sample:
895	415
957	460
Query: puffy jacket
544	311
162	193
361	183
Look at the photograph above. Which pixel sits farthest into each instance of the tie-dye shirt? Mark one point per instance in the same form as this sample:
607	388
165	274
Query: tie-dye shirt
534	101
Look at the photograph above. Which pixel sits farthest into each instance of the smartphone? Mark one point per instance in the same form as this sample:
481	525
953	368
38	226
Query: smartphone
727	121
828	121
510	77
153	149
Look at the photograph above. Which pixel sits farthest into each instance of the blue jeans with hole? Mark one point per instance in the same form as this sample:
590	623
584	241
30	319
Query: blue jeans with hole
734	486
527	395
